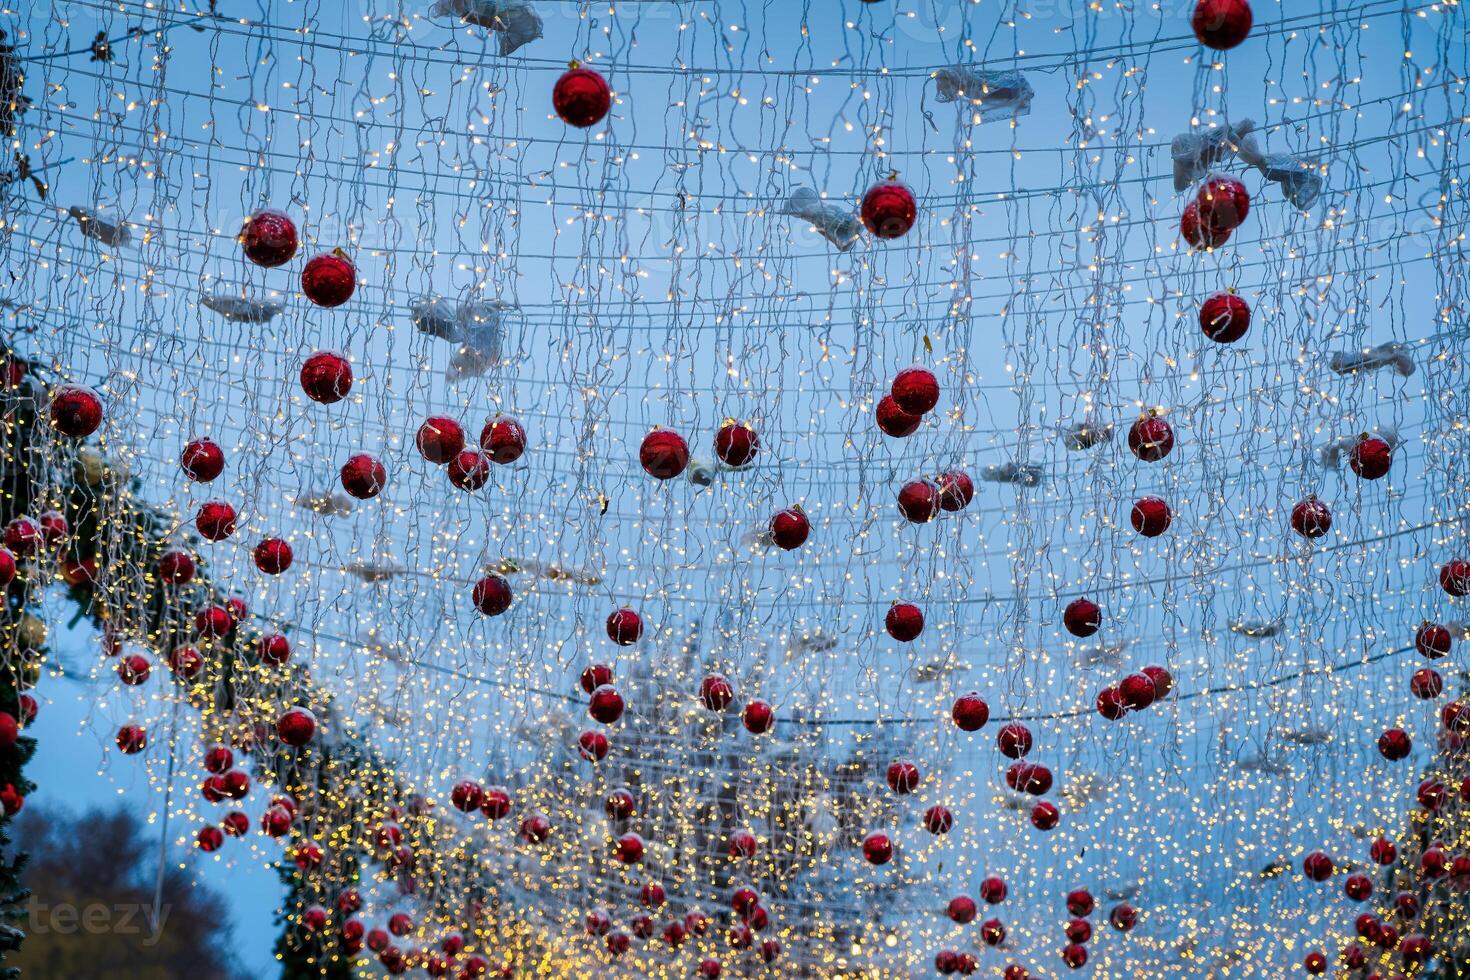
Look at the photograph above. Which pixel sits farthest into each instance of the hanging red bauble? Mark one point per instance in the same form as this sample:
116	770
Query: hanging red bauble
1317	866
1358	887
268	238
329	279
400	924
1123	917
131	739
314	919
1223	202
597	923
1383	851
1082	617
1110	703
618	943
970	712
593	746
993	890
581	97
961	909
696	923
1162	679
363	476
1454	577
736	444
789	528
1311	518
628	849
918	501
709	969
1433	863
496	803
1151	438
8	567
274	650
326	377
595	676
715	692
74	571
1075	955
740	937
770	950
1370	457
210	839
1433	641
536	829
503	439
491	595
219	760
1224	317
652	895
1080	903
296	727
176	568
213	789
9	730
76	410
938	820
440	439
466	796
877	848
235	823
624	627
743	900
1221	24
992	932
186	662
1013	740
1028	777
1416	949
1044	816
758	717
664	454
889	209
605	705
1407	904
674	934
1426	684
377	940
23	537
894	421
308	857
1151	516
469	471
272	556
956	490
904	621
915	389
213	621
202	460
1137	691
903	777
743	844
946	962
757	919
1197	233
133	670
54	528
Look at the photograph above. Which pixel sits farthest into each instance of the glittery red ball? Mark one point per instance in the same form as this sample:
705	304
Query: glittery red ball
877	849
1311	518
210	839
581	97
1044	816
894	421
606	705
1028	777
1370	457
1221	24
918	501
1013	740
496	803
789	528
903	777
1224	318
176	568
1223	203
1426	684
629	849
503	439
595	676
1198	233
956	490
1110	703
269	238
593	746
1433	641
663	454
904	621
1137	691
961	909
916	390
758	717
186	661
715	692
970	712
213	621
1394	744
272	556
1075	954
215	520
132	739
624	627
466	796
54	528
1151	516
1163	681
76	410
1454	577
296	727
491	595
889	209
1151	438
736	444
328	279
1082	617
363	476
202	460
439	439
8	567
938	820
23	536
274	650
470	470
992	932
1123	917
993	890
326	377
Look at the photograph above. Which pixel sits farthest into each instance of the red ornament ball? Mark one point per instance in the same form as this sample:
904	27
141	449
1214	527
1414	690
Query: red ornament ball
889	209
593	746
736	444
1137	691
956	490
296	727
1197	233
1082	617
219	760
186	662
916	390
466	796
131	739
1075	954
1454	577
1317	866
1163	681
326	377
9	730
992	932
1151	438
213	621
1426	684
363	476
894	421
743	844
133	670
594	676
1151	516
469	471
8	567
1123	917
1224	318
605	705
715	692
1311	518
329	279
54	528
439	439
1013	740
274	650
664	454
877	848
918	501
269	238
1433	641
624	627
210	839
903	777
76	410
1221	24
272	556
1370	457
202	460
1223	202
23	537
1358	887
758	717
993	890
961	909
581	97
1110	703
503	439
629	849
496	803
1044	816
1080	903
904	621
970	712
491	595
1027	777
1383	851
789	528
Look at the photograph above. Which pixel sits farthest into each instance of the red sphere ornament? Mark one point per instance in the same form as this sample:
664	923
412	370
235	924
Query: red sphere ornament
652	895
503	439
606	705
272	556
76	410
202	460
595	676
274	650
916	390
1416	949
186	662
1044	816
903	777
1138	691
789	528
469	471
363	476
961	909
894	421
597	923
467	796
1358	887
970	712
536	829
918	501
877	848
213	621
326	377
743	844
210	839
770	950
758	717
1163	681
131	739
1223	202
296	727
1197	233
744	900
709	968
1013	740
1432	795
664	454
496	803
1151	438
1317	866
1426	684
1454	577
904	621
889	209
215	520
993	890
1224	318
992	932
8	567
491	595
715	692
439	439
581	97
219	760
133	670
235	823
1433	641
736	444
1075	955
1123	917
628	849
329	279
1311	518
624	627
9	730
1027	777
618	943
1151	516
938	820
1221	24
593	746
1110	703
54	528
1082	617
269	238
23	537
956	490
1383	851
1370	457
1080	903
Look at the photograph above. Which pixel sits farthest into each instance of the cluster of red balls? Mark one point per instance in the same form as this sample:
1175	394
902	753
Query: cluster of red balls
269	239
1134	692
441	441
